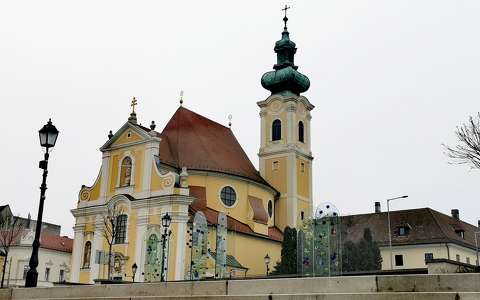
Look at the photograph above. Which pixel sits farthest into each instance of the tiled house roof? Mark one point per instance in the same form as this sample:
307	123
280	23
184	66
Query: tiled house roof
425	226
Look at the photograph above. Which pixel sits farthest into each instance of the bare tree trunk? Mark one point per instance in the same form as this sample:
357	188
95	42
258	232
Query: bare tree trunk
4	267
109	261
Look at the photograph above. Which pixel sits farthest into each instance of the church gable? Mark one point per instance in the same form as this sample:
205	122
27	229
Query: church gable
128	134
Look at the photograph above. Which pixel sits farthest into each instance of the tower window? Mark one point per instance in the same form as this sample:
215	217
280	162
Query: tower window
301	137
126	171
302	167
270	208
228	196
121	230
276	130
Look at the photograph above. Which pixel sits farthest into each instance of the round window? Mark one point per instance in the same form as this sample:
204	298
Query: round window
228	196
270	208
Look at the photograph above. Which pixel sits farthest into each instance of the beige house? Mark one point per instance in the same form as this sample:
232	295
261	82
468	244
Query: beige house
418	235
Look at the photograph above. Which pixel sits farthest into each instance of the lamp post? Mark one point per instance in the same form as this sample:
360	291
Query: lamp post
134	271
266	259
389	228
166	220
48	137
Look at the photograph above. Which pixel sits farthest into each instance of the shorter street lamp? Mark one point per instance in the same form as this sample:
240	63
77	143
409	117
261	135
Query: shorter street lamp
134	271
266	259
48	137
390	229
166	221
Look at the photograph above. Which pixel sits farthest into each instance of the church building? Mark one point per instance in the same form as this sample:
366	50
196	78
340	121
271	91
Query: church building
197	165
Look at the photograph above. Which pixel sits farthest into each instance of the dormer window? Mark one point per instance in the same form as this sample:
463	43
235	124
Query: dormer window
460	233
403	230
126	172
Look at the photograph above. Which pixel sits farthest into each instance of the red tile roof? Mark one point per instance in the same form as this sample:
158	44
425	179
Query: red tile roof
56	242
196	142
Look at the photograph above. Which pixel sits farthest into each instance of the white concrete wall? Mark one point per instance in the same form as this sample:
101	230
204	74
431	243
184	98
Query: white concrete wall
20	256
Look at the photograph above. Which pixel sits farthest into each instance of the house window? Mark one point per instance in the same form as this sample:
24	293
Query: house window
121	229
270	208
47	274
398	260
457	257
275	165
276	130
302	215
87	252
300	132
61	276
25	270
428	257
468	260
403	231
228	196
126	171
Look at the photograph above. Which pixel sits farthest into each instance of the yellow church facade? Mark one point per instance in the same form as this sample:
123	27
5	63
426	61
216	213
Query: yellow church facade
195	165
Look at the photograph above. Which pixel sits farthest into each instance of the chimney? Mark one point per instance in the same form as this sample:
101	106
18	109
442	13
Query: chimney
478	224
29	220
378	208
455	214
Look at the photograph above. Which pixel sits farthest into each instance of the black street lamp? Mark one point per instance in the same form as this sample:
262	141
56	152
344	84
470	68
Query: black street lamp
48	137
134	271
166	221
266	259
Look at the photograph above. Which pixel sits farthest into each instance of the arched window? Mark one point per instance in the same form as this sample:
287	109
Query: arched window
87	252
270	208
126	171
121	229
300	132
276	130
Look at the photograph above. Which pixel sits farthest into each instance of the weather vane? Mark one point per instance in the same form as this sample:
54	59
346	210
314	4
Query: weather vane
134	103
285	19
181	97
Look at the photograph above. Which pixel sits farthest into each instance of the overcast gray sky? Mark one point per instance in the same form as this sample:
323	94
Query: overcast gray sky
390	81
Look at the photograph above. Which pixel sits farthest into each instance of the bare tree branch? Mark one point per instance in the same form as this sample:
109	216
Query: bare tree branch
11	229
110	231
467	151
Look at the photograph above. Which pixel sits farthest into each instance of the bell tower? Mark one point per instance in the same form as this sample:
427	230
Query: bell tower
285	155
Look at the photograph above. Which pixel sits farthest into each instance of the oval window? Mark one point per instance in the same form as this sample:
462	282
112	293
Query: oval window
228	196
270	208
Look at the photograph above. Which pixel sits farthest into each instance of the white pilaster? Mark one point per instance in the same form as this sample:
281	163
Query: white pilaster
104	176
77	252
97	245
290	126
142	224
181	246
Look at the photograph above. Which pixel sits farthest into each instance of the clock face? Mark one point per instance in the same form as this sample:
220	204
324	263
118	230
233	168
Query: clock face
326	209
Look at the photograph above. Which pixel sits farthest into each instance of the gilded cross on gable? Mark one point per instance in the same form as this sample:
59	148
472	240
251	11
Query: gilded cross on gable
134	103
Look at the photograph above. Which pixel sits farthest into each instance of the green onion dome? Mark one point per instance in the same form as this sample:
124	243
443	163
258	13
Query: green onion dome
285	77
